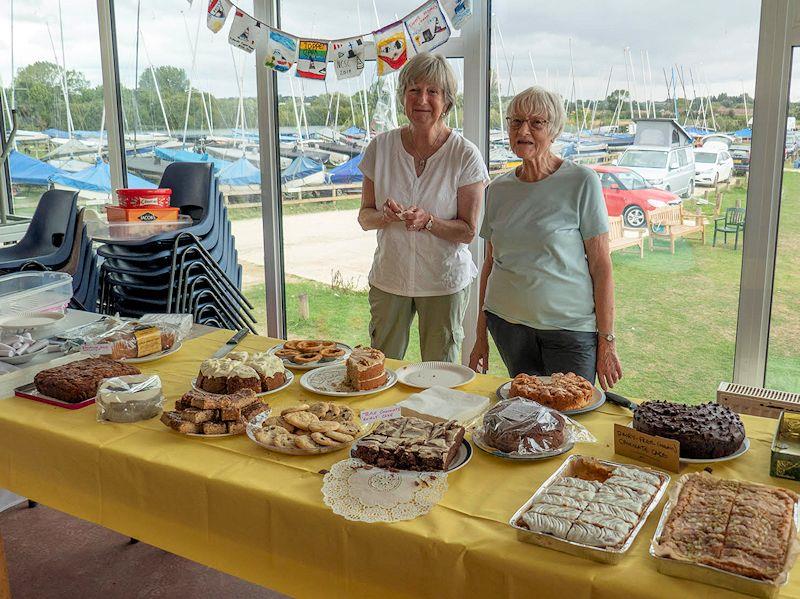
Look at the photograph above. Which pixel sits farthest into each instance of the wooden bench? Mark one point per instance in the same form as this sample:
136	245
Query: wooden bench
617	239
670	222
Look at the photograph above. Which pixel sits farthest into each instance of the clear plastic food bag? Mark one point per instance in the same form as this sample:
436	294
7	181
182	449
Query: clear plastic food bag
520	426
129	398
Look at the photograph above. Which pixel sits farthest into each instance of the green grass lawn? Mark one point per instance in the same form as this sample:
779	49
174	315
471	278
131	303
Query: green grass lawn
676	314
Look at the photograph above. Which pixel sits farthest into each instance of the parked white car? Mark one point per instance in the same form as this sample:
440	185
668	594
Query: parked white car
671	169
712	165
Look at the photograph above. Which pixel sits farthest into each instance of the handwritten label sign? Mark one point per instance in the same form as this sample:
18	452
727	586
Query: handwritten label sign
658	451
388	413
98	349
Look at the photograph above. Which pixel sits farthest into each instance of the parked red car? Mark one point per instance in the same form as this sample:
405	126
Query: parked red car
628	194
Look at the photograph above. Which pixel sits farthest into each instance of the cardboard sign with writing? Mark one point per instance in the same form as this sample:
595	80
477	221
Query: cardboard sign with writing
658	451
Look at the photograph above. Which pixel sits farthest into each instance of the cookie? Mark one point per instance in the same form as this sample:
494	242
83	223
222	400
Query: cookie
304	442
300	419
349	428
319	409
271	421
338	436
301	408
345	415
323	426
333	412
285	425
321	439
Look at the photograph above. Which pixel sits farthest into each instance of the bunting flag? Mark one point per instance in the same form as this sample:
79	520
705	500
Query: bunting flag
281	50
348	57
244	31
312	59
427	27
458	11
217	14
391	47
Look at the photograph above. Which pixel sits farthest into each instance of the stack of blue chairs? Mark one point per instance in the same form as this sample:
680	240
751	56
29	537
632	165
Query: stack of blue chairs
190	270
57	240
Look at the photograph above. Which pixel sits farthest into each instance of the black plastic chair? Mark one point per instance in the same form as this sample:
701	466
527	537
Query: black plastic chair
732	222
49	237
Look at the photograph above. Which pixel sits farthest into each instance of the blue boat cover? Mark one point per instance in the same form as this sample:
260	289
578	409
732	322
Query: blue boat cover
745	133
698	131
97	178
174	155
347	172
27	170
240	172
355	132
302	166
77	134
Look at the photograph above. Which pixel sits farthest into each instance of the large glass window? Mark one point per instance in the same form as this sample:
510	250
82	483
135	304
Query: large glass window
675	313
783	362
50	72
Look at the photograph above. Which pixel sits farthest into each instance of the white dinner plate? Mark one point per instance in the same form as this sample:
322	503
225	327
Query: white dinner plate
155	356
425	375
599	398
312	365
289	378
742	449
478	440
29	322
329	380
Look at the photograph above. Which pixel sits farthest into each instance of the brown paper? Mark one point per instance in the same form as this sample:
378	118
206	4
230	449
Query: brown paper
658	451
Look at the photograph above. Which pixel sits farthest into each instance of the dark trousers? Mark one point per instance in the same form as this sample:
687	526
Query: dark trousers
543	352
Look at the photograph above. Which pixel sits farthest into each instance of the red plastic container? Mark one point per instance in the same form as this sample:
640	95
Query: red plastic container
144	198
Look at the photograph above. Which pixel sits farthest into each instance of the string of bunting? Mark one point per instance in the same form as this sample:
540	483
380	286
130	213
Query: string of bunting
423	29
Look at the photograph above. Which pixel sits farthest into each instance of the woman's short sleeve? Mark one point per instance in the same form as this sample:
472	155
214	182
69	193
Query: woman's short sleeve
367	164
486	224
592	208
473	167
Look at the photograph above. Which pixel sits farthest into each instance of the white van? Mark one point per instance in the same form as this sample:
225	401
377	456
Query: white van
670	169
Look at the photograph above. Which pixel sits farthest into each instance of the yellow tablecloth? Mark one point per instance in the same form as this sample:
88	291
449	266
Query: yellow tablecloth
234	506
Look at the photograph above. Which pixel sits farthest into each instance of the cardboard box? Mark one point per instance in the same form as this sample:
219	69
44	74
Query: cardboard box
785	459
117	214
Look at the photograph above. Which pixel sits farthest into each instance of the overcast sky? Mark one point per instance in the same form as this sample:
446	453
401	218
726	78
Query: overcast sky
716	39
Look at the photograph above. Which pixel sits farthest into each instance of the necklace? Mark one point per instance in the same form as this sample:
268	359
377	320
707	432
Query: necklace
423	161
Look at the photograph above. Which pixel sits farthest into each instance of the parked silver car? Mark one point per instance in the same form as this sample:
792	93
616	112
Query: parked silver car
670	169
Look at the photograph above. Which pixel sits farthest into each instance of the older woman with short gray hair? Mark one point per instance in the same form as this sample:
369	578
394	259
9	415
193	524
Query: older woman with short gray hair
546	288
422	191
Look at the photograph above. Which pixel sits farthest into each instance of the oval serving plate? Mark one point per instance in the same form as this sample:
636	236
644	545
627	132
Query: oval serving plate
312	365
425	375
599	398
289	379
152	357
328	380
478	440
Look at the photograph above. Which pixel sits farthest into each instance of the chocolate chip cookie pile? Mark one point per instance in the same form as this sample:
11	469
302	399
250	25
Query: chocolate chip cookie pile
307	429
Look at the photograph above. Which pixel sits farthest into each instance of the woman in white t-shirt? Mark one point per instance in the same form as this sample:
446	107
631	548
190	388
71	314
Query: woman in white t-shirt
422	191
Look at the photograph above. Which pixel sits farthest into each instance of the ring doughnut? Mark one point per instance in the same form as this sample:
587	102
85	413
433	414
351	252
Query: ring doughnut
287	353
292	344
306	358
326	344
332	353
309	346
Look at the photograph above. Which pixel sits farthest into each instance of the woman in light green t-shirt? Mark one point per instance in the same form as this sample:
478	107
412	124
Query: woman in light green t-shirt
546	288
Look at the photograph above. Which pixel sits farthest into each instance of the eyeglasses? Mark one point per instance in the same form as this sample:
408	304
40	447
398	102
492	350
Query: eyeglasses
533	124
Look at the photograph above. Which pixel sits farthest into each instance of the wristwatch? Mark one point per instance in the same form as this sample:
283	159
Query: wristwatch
607	336
429	224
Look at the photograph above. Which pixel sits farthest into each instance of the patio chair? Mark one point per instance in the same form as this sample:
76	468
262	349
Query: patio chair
732	222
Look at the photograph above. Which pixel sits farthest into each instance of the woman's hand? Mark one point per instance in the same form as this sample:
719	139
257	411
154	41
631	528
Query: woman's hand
416	218
391	211
479	358
609	369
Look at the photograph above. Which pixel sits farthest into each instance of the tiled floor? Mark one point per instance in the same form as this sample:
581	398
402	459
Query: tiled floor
55	556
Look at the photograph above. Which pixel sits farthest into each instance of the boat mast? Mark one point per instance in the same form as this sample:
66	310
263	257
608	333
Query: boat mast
191	73
744	101
625	51
13	73
64	91
70	124
505	57
499	95
155	83
533	68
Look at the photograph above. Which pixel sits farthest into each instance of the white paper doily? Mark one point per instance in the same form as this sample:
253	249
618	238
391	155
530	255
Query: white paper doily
358	491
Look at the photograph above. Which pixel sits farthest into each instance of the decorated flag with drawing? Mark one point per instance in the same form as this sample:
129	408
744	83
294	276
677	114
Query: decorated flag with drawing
391	47
347	56
281	50
244	31
217	14
312	59
458	11
427	27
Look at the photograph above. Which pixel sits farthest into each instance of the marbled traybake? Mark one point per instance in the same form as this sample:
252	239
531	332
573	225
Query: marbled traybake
411	444
705	431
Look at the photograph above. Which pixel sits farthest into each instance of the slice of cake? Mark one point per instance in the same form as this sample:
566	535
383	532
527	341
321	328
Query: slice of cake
365	369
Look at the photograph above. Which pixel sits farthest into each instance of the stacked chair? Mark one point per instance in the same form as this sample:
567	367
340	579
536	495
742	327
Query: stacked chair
190	270
57	240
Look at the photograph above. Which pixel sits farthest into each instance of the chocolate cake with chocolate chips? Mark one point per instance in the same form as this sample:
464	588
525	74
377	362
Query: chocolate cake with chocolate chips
411	444
705	431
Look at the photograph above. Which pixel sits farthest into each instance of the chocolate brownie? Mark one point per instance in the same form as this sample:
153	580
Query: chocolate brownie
77	381
708	430
411	444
